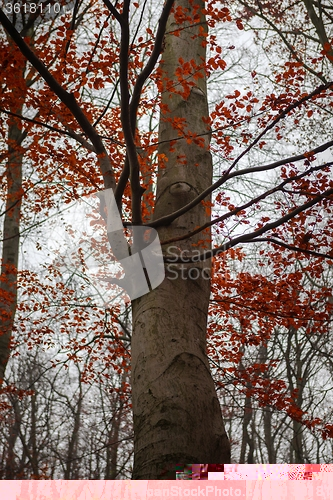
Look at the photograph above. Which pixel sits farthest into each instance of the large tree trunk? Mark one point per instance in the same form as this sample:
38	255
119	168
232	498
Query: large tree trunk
12	217
177	416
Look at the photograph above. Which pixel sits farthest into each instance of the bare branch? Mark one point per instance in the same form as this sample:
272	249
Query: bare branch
126	121
253	201
113	11
292	247
69	132
252	237
151	62
135	101
285	41
317	22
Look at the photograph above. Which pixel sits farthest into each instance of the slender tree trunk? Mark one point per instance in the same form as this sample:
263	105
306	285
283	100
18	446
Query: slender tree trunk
269	441
297	377
71	461
112	466
33	435
8	465
11	241
267	414
301	377
11	225
177	416
247	438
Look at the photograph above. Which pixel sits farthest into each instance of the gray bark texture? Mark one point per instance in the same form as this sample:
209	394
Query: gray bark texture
177	416
10	247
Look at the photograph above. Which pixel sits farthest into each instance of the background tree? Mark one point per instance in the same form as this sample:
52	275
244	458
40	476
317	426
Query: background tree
12	178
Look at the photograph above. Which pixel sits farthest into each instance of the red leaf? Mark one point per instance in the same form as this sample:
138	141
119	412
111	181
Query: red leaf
239	24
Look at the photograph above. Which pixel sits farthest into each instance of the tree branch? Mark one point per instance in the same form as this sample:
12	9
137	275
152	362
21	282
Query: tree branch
157	49
113	11
166	220
252	202
67	99
135	100
292	247
318	23
285	41
69	132
126	121
252	237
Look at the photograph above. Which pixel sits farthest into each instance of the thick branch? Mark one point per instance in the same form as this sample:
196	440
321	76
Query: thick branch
151	62
135	101
113	10
125	119
252	237
253	201
292	247
317	22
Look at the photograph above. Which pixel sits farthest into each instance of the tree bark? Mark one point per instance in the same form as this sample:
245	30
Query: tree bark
177	416
247	438
11	242
12	217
